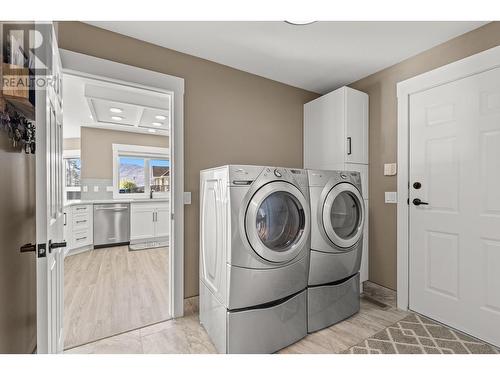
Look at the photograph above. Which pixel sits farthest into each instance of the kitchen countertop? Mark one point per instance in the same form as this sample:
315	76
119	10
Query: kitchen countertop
103	201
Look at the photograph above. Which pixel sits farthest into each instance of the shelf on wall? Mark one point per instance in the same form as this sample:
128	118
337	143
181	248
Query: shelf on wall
21	99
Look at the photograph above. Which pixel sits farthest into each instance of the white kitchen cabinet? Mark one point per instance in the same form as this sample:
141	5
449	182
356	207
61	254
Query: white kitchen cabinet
149	220
336	138
78	228
142	221
336	130
163	221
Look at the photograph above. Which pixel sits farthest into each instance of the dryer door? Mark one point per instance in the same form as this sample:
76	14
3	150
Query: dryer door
277	222
343	215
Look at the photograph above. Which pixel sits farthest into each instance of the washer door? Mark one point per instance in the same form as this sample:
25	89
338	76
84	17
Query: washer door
277	222
343	215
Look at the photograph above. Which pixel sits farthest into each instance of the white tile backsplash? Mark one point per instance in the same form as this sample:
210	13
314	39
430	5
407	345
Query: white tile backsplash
98	188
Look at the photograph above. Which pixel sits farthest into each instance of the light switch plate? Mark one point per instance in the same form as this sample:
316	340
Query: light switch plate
85	188
390	169
109	188
391	197
96	188
187	197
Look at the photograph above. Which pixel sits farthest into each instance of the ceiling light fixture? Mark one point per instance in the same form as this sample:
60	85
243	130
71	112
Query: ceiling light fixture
160	117
300	23
151	130
116	110
117	118
157	123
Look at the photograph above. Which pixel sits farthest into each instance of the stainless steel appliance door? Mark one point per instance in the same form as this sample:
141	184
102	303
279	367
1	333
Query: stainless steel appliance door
277	222
111	223
344	215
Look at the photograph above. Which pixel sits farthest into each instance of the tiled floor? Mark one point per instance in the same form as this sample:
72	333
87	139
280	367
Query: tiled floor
185	335
176	336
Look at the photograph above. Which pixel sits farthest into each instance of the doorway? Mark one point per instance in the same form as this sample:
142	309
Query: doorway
449	255
123	146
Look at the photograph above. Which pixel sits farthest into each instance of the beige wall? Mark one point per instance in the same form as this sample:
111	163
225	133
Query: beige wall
17	227
381	87
97	149
17	271
71	144
229	116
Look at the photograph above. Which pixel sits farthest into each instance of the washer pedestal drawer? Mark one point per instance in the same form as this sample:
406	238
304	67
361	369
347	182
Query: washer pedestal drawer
329	304
267	329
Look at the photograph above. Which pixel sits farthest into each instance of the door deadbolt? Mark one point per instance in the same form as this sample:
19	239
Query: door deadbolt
417	185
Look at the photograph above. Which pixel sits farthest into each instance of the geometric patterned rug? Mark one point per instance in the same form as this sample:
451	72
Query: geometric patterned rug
416	334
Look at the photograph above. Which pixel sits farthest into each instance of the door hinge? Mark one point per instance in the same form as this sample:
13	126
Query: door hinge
172	216
42	250
408	201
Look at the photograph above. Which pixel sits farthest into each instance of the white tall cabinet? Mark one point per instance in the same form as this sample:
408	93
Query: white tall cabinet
336	138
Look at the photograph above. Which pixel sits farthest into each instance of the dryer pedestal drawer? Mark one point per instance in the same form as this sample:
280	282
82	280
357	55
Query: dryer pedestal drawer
329	304
272	284
268	329
326	268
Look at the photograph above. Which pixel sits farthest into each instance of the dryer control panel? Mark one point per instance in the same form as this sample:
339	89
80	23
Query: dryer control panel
321	178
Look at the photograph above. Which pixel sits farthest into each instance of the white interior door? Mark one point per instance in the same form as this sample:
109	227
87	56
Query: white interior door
49	201
454	241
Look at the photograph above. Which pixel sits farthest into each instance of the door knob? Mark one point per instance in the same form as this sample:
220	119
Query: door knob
27	248
55	245
418	202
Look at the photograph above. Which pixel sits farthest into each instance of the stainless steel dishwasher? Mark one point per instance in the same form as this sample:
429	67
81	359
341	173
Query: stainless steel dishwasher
111	224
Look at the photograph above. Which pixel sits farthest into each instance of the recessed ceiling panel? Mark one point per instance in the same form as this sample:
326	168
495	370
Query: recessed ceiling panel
97	103
155	119
114	112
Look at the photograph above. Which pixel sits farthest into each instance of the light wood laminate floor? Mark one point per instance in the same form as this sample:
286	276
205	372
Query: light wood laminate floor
113	290
186	335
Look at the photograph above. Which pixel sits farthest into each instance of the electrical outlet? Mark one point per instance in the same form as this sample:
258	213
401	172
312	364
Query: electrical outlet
96	188
187	197
85	188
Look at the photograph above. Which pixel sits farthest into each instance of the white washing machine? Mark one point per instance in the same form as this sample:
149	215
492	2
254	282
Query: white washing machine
254	257
338	215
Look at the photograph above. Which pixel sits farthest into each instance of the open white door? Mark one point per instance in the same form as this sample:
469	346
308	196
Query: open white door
49	196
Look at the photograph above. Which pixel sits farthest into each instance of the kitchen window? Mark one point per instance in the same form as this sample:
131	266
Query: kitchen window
72	176
140	172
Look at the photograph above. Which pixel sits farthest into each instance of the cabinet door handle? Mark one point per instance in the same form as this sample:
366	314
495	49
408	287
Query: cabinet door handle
65	219
349	146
